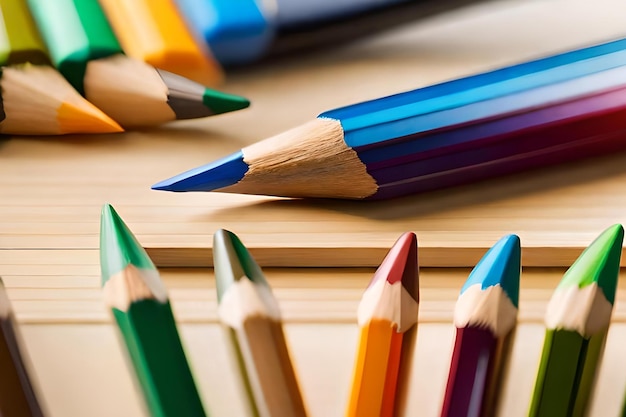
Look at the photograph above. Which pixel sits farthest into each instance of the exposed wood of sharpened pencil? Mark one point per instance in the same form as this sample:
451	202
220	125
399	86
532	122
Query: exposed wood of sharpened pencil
83	47
577	321
139	302
18	396
387	319
485	316
252	317
37	100
159	36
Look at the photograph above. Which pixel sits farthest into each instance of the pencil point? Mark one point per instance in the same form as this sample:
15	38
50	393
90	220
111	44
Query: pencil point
233	262
85	119
220	102
501	265
191	100
599	263
221	173
118	246
400	264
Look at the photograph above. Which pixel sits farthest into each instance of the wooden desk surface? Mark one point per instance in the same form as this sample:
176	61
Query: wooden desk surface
51	191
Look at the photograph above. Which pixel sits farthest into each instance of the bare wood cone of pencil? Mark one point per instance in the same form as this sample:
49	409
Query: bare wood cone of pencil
387	317
251	316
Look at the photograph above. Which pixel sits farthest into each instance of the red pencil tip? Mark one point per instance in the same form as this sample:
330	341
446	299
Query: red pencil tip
400	264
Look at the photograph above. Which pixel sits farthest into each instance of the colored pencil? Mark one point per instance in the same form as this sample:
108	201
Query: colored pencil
139	302
84	49
577	321
251	317
159	36
18	397
36	99
485	316
387	318
238	31
561	108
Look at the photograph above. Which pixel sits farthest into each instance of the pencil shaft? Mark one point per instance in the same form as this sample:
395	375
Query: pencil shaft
19	39
157	355
269	368
17	396
474	359
560	374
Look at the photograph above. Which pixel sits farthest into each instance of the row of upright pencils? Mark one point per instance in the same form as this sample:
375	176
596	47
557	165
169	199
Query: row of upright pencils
577	320
65	71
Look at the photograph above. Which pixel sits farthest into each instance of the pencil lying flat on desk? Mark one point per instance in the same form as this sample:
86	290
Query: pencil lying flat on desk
84	49
251	316
36	99
577	320
387	318
139	302
153	31
18	396
538	113
485	315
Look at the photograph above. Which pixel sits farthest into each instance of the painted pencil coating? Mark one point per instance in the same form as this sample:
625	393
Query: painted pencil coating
387	317
251	317
140	306
18	397
19	39
159	36
577	323
75	32
238	31
485	316
521	117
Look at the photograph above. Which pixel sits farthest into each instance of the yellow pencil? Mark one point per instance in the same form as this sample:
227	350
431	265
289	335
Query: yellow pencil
154	31
388	321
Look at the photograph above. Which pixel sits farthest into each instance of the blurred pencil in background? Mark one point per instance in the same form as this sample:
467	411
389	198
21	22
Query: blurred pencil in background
36	99
153	31
577	320
251	316
139	302
387	317
85	50
485	316
18	396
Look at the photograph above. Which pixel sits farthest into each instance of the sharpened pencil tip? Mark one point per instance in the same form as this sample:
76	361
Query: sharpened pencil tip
220	102
221	173
118	245
501	265
599	263
232	262
400	264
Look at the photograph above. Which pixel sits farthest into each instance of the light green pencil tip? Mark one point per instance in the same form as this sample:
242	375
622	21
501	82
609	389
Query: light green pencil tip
118	246
220	102
598	263
232	262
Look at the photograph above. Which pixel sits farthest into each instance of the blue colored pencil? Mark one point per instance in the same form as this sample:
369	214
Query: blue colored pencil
555	109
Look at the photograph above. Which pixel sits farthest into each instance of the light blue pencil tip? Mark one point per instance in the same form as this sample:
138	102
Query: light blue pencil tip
501	265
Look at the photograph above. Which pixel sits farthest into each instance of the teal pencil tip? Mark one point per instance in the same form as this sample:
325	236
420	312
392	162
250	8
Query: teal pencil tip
220	102
501	265
118	246
232	261
599	263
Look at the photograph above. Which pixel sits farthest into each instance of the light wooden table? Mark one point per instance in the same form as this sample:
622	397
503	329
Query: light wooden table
51	191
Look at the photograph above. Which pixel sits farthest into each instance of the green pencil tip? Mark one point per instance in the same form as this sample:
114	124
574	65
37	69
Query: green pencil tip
598	263
220	102
232	261
118	246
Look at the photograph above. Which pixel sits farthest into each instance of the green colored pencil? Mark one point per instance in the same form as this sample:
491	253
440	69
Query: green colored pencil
251	316
136	295
577	321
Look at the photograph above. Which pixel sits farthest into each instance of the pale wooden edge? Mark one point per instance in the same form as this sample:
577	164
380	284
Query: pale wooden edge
355	257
